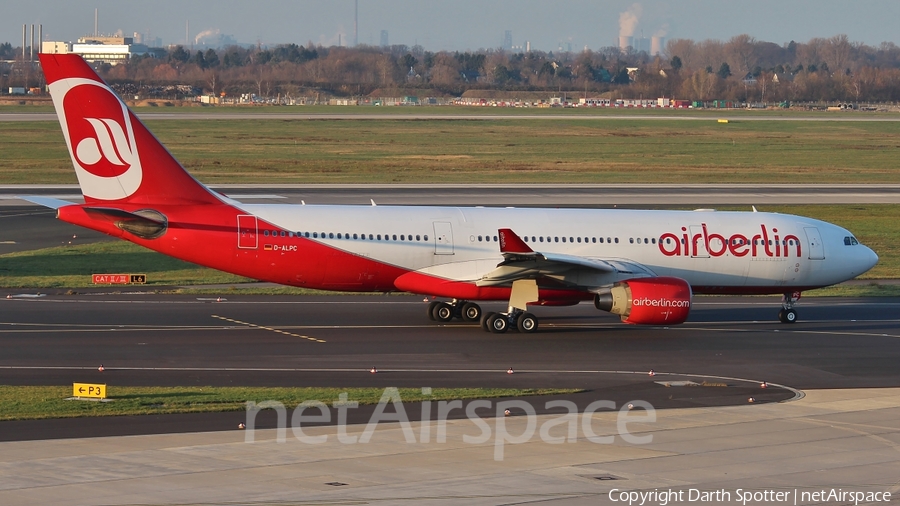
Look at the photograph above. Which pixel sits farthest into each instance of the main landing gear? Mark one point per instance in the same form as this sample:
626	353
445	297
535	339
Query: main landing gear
523	292
445	311
787	313
499	323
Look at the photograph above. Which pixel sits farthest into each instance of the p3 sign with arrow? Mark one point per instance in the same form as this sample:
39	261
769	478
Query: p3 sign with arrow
89	390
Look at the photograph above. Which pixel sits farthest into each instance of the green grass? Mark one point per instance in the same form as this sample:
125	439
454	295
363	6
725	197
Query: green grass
460	150
40	402
72	266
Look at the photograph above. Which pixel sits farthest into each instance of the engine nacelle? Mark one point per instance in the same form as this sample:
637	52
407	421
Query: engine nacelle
648	301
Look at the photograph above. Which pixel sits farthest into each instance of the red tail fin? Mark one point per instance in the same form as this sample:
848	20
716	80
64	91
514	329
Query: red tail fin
116	158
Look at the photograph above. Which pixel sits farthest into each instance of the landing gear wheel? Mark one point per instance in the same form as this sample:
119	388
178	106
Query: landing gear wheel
527	323
470	312
787	316
787	313
484	321
497	323
431	307
442	312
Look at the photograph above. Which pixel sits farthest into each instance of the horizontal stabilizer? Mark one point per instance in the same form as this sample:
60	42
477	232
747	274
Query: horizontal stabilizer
50	202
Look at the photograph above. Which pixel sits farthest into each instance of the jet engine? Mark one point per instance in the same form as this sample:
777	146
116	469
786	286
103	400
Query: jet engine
648	301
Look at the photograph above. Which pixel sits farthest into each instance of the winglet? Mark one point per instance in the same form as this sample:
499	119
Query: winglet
512	243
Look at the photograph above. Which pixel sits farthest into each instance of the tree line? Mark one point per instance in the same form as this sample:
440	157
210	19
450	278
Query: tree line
740	69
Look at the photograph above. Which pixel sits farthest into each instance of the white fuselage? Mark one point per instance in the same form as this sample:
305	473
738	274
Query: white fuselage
728	252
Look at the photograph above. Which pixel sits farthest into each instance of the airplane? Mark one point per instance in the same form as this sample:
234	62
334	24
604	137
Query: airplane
642	265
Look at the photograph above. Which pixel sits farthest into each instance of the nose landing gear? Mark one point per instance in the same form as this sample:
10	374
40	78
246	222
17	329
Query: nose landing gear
787	313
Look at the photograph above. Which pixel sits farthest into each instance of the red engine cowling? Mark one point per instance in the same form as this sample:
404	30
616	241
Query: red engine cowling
648	301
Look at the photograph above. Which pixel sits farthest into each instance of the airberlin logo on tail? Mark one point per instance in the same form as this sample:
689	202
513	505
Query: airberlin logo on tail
100	136
767	243
107	145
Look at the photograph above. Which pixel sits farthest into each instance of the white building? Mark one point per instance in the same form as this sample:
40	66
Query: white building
111	50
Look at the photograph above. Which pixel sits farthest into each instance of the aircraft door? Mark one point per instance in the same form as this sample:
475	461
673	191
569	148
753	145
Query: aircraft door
248	237
443	238
816	248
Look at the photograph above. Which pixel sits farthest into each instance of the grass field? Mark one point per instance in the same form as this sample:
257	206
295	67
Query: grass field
576	150
38	402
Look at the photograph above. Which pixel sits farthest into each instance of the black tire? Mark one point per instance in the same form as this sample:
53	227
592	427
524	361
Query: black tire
790	316
470	312
484	321
442	312
498	323
431	307
527	323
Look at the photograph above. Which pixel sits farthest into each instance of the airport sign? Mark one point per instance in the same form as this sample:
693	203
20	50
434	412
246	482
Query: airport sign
90	390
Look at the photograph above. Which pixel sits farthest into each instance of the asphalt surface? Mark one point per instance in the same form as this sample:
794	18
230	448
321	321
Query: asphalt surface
846	116
179	340
523	195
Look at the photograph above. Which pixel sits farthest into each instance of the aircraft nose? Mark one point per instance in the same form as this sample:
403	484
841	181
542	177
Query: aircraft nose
870	259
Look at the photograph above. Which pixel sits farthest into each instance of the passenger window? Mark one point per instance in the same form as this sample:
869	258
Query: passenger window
479	238
417	238
378	236
556	239
496	239
564	239
266	233
594	239
331	235
355	236
425	237
617	240
395	237
283	233
631	240
339	235
579	239
542	239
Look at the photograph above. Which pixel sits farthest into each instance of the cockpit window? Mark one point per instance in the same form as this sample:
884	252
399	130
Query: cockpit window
850	241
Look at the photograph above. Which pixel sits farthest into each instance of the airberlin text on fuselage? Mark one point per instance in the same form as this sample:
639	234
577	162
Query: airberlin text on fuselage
763	244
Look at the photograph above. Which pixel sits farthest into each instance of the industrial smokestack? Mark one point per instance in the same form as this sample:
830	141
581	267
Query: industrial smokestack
40	39
96	33
628	21
24	39
656	45
31	48
356	23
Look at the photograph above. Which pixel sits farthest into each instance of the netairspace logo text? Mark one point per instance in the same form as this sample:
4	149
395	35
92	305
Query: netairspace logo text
742	496
488	417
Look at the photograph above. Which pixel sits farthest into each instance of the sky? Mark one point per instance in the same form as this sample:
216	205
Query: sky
459	25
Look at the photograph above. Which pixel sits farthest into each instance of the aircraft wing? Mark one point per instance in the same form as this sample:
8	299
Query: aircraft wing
522	262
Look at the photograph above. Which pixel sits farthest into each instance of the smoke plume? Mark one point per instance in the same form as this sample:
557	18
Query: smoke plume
628	20
204	34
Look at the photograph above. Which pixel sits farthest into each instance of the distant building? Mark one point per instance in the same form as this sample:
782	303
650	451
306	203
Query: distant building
112	50
56	47
507	40
384	38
